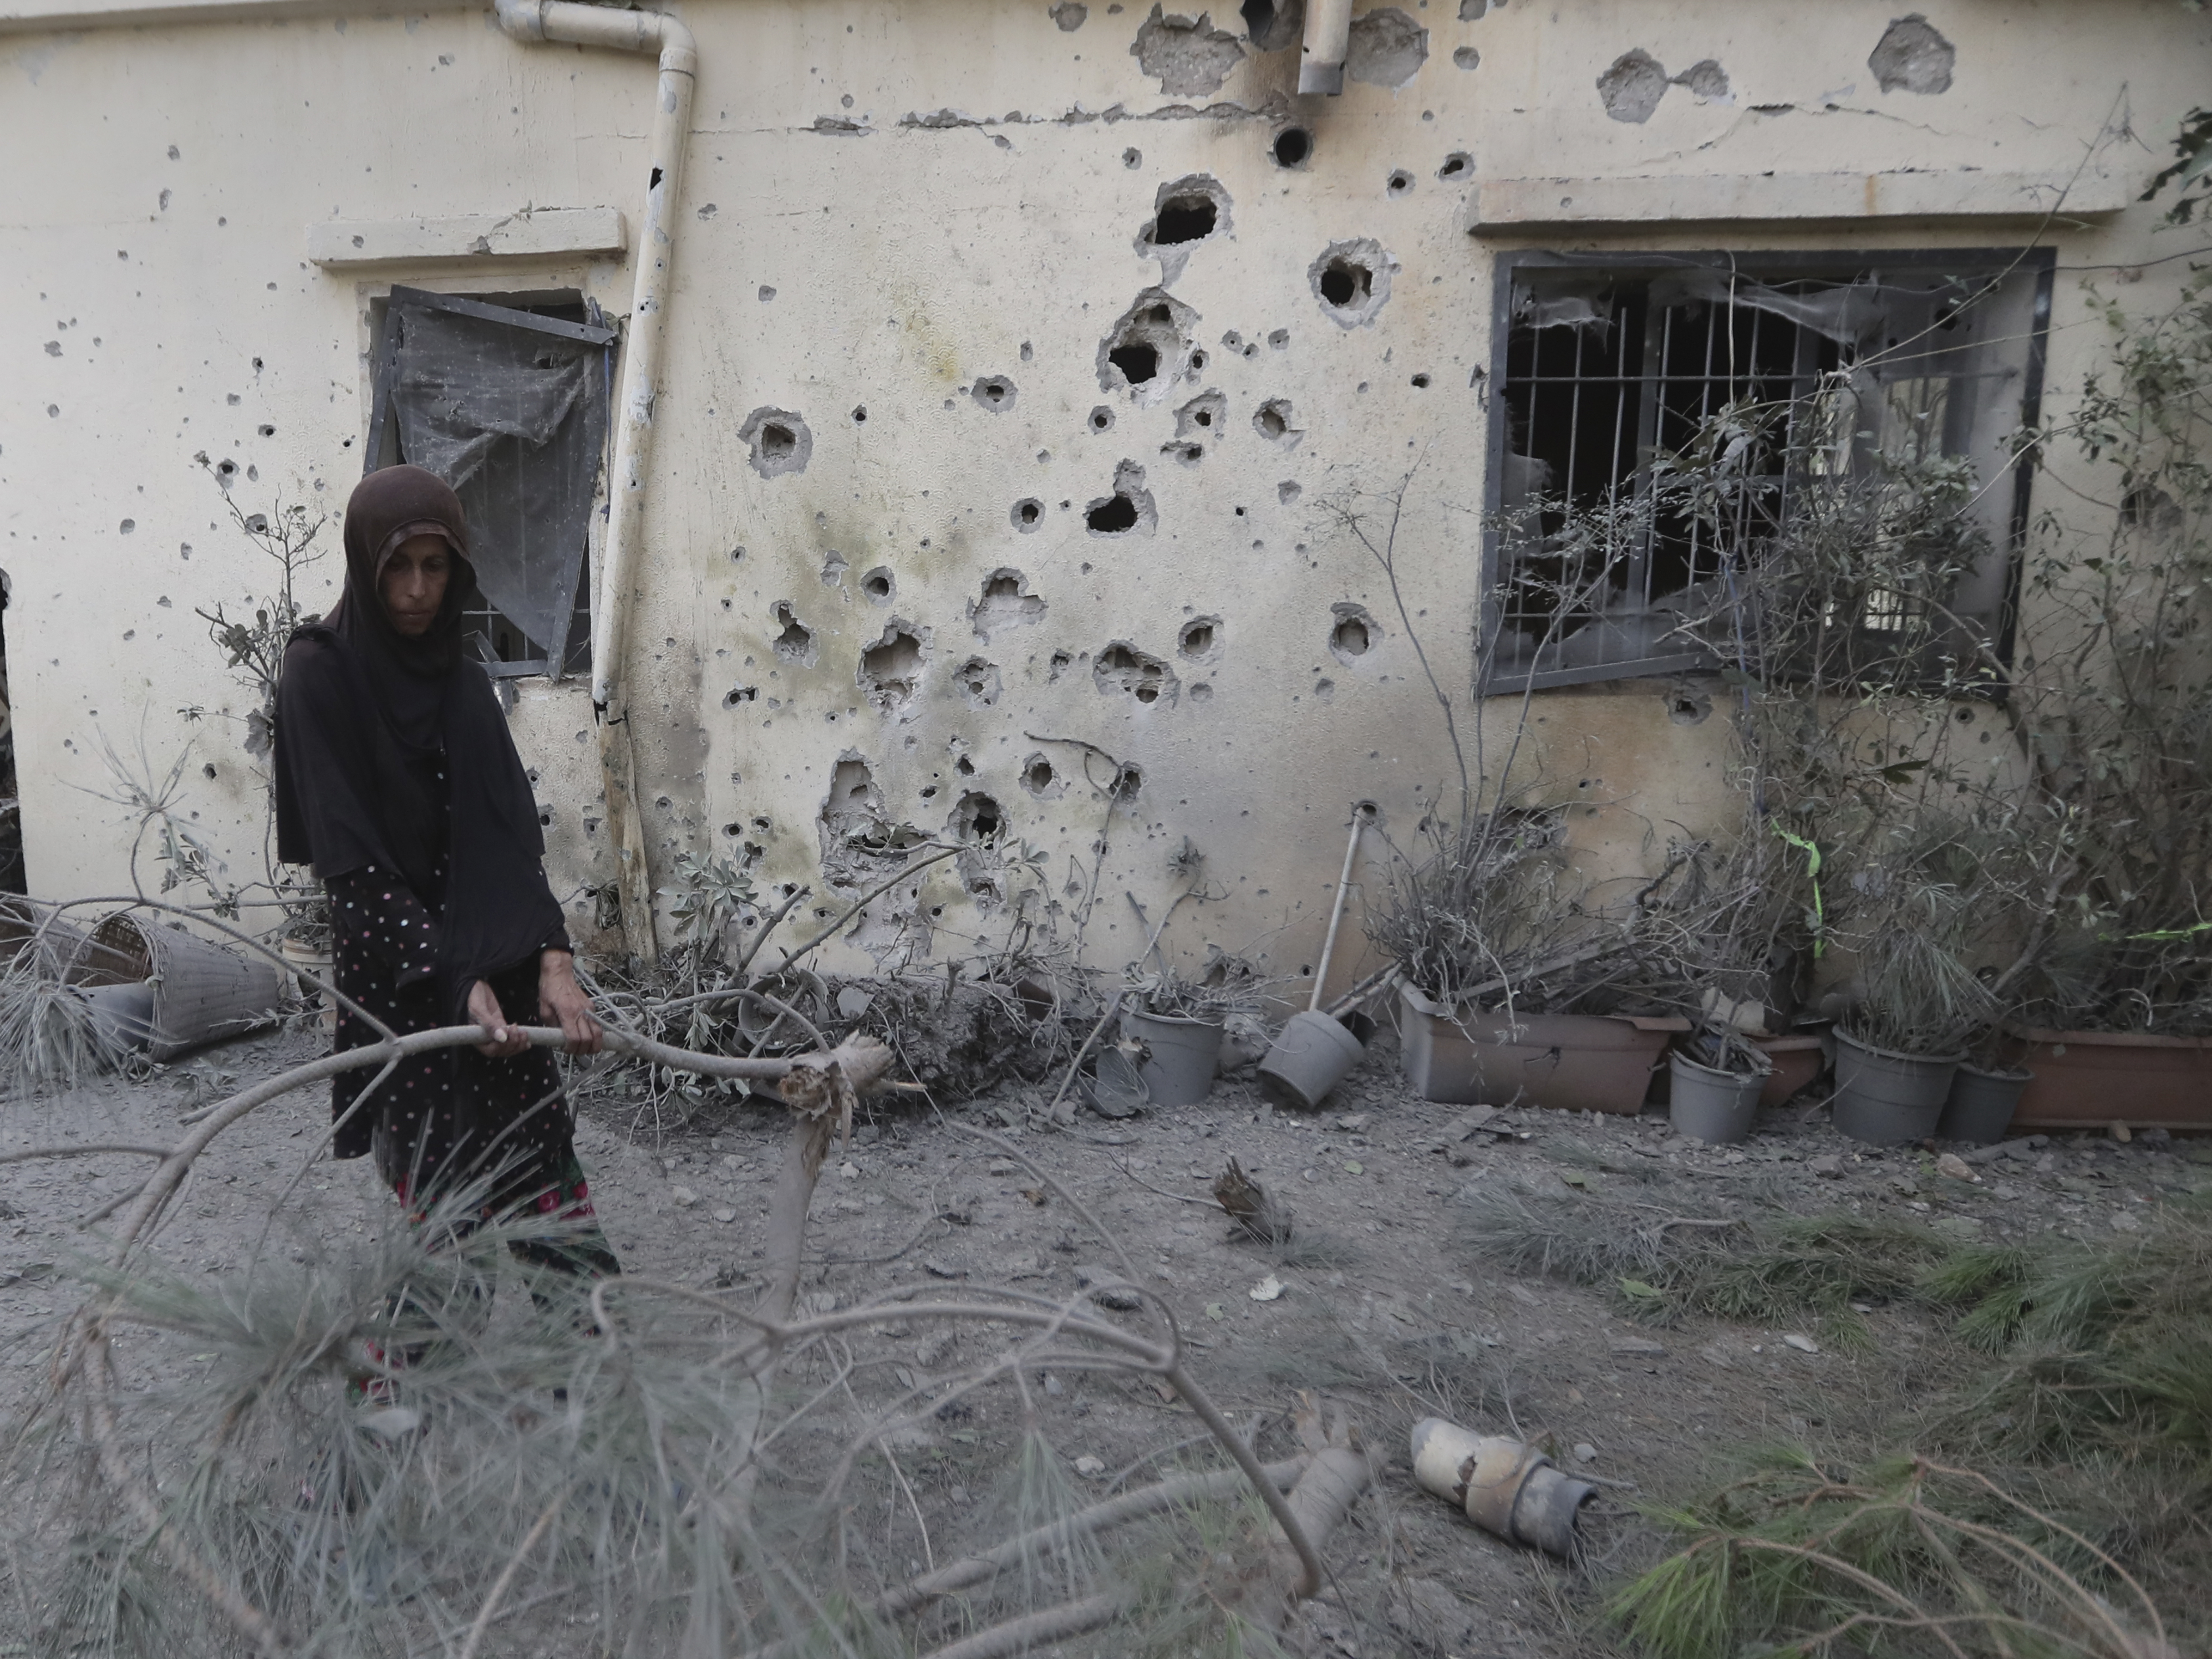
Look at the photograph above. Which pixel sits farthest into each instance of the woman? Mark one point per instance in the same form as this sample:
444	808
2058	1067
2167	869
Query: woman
396	779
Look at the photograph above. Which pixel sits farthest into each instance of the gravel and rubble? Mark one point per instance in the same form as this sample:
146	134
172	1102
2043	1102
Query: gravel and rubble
1377	1302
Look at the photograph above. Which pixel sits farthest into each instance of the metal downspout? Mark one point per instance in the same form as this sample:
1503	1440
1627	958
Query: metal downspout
569	23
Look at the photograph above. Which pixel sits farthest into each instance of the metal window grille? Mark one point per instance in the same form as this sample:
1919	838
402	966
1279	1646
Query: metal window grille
1602	363
508	402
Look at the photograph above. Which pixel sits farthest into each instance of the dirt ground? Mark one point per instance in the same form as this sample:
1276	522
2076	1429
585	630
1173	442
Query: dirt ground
1382	1305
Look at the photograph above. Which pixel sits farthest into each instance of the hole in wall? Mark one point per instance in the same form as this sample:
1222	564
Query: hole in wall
965	767
1272	421
1466	57
1038	777
978	681
1121	668
1102	417
1288	491
1006	602
1279	338
1185	454
1457	165
1130	507
1133	158
778	440
1293	148
1420	383
1184	219
879	584
737	693
977	817
994	392
1129	783
1399	182
1353	633
795	640
859	413
834	567
890	672
1351	280
1687	707
1058	664
1185	212
1200	639
1148	347
1203	417
1027	515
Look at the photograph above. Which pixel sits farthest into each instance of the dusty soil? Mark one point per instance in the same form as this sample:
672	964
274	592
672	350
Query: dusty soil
1382	1305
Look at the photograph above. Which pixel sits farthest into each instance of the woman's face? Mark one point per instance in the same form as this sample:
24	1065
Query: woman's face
413	585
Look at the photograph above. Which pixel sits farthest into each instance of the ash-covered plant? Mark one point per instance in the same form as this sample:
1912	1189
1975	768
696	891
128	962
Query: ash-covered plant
2115	692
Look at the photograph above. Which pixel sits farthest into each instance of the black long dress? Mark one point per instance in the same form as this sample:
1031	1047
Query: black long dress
398	780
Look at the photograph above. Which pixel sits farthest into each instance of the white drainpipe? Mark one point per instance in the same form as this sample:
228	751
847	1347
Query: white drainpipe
1329	36
575	24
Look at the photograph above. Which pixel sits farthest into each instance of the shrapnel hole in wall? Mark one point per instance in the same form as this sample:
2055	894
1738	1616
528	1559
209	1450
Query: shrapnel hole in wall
1349	637
994	392
1138	674
1037	774
1293	147
1112	516
1184	219
978	680
879	584
795	643
1198	637
1101	417
1138	360
890	669
1027	513
977	817
1344	283
1400	182
1456	165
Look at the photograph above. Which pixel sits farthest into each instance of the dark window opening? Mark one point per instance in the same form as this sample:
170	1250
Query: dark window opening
1604	365
506	400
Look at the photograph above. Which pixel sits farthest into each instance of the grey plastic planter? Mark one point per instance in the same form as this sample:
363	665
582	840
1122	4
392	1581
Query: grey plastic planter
1981	1104
1714	1106
1886	1098
1180	1055
1314	1054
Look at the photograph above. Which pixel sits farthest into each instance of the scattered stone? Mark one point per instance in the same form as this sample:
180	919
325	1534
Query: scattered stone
683	1197
2120	1132
725	1216
1829	1168
997	1166
1584	1452
1803	1344
1952	1165
1267	1289
1353	1122
1089	1468
1984	1155
2126	1221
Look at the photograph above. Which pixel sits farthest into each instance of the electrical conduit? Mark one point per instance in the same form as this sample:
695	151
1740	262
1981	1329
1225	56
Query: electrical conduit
569	23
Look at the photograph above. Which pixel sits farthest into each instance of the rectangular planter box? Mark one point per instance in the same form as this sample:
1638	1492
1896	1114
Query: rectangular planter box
2089	1079
1570	1062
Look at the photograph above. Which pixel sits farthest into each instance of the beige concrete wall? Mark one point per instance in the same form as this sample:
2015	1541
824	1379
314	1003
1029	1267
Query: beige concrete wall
152	258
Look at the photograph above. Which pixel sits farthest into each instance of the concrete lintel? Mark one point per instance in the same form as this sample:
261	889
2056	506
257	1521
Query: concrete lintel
66	16
336	243
1506	205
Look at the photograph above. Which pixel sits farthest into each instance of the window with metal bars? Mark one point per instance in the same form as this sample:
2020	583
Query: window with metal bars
1603	363
506	398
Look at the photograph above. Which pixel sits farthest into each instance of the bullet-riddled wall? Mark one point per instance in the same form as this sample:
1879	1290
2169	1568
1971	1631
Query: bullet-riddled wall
1036	379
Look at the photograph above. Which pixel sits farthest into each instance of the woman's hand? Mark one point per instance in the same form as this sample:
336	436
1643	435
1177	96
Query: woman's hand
562	1001
484	1009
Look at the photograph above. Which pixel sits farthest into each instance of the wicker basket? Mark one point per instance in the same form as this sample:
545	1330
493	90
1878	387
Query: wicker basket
202	990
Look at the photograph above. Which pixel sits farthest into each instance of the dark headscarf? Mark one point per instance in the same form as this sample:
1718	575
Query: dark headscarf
408	674
374	727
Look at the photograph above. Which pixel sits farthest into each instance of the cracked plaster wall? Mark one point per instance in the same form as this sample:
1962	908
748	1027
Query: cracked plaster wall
914	228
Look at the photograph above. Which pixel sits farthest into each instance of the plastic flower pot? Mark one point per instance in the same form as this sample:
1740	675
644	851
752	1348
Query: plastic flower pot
1569	1062
1886	1098
1313	1055
1180	1055
1981	1105
1714	1106
1792	1063
2088	1080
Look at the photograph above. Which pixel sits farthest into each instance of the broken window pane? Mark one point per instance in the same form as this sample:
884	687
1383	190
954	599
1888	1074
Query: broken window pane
507	405
1855	365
